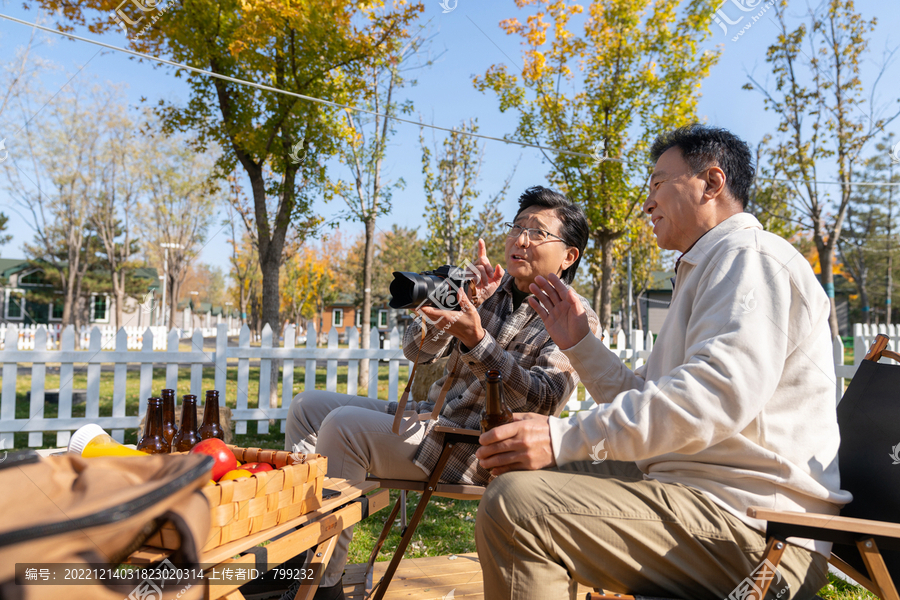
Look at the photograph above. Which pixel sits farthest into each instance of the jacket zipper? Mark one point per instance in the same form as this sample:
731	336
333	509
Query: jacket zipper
109	515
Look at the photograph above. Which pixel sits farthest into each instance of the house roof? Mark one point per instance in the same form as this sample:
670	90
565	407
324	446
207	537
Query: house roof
10	264
661	281
344	299
147	273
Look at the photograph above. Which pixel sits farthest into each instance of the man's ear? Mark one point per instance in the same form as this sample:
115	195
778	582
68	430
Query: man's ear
715	184
569	259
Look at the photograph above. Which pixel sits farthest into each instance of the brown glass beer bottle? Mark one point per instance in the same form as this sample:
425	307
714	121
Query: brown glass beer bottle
187	436
168	410
153	441
211	427
495	411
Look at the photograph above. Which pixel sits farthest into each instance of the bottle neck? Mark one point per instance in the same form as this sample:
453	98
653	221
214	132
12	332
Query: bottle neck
168	410
154	426
189	414
493	402
211	411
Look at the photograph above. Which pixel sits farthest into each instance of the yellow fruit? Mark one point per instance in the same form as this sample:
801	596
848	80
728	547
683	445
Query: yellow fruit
236	474
211	482
239	463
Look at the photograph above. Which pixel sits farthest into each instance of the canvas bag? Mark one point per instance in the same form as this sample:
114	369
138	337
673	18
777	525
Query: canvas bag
74	510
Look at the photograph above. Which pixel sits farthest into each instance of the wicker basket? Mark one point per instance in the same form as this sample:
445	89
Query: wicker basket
240	507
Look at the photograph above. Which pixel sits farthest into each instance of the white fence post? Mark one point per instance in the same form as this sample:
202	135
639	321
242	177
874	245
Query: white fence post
265	378
393	342
243	379
38	370
374	343
121	371
8	397
197	368
221	362
92	408
331	364
353	364
66	372
287	383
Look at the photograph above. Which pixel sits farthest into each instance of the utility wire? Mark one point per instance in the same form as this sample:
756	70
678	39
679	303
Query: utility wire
285	92
871	183
363	110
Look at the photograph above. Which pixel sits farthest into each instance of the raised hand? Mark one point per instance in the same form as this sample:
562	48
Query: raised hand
558	306
488	277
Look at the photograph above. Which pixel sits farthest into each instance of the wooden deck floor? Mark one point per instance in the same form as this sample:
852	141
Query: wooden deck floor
426	579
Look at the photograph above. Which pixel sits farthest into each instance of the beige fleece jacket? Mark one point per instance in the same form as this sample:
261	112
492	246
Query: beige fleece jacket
737	397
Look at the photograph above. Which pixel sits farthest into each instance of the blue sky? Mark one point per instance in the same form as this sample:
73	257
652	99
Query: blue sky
470	41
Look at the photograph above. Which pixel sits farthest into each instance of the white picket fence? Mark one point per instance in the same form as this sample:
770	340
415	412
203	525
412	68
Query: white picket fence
160	349
118	354
107	335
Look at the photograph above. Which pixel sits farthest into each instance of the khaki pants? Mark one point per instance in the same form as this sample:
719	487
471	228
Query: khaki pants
539	533
355	434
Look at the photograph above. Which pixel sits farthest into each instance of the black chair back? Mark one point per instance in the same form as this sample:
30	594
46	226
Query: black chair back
869	455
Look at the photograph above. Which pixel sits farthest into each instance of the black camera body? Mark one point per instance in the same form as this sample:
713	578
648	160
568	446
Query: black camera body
439	288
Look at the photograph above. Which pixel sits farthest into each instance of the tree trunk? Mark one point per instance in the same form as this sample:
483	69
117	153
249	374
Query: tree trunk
71	278
368	262
245	300
174	289
119	293
271	269
595	298
606	276
826	253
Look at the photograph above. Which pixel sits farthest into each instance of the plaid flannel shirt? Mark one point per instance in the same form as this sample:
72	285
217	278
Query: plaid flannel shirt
537	376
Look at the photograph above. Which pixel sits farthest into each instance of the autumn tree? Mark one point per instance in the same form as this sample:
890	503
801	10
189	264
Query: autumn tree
363	153
646	257
825	120
244	271
4	238
633	72
869	244
55	176
307	285
397	249
180	207
112	210
452	170
314	48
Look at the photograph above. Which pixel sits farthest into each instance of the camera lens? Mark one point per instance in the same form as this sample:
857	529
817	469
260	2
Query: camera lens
409	290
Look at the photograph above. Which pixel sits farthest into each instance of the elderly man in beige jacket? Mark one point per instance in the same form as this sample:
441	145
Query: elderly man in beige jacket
734	408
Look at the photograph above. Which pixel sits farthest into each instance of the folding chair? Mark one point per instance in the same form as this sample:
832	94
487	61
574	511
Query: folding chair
867	534
452	436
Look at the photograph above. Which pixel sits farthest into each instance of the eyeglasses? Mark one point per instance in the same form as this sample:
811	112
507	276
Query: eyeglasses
534	234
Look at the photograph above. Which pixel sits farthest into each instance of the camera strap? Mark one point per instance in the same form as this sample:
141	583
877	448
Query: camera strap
439	405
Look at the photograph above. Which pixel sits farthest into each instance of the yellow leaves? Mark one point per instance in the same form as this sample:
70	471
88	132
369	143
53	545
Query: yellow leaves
237	47
511	26
534	65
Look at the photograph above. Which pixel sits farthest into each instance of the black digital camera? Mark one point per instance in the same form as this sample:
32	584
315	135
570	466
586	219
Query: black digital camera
439	288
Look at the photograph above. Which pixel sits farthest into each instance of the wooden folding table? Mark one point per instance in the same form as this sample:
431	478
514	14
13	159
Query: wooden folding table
318	529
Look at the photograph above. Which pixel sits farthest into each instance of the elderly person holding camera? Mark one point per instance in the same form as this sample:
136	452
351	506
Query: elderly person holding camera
734	408
503	332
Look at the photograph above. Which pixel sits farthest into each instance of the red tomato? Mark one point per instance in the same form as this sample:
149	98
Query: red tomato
256	467
225	460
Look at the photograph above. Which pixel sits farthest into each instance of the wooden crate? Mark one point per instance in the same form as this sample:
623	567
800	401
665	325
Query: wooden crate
240	507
